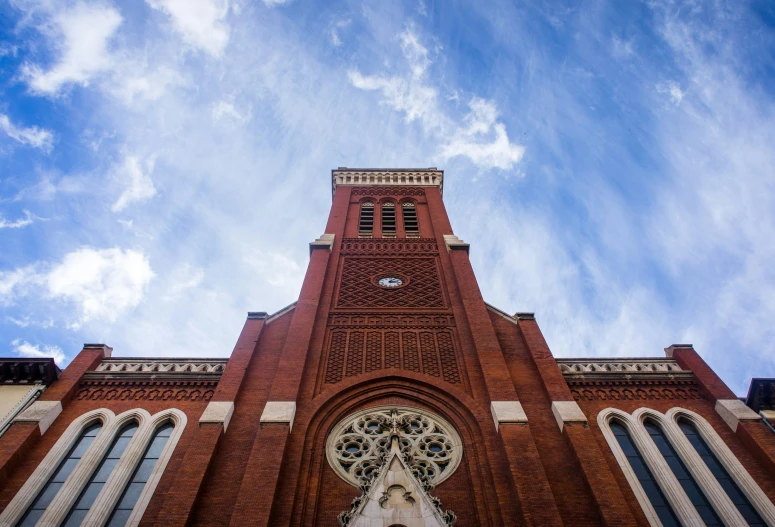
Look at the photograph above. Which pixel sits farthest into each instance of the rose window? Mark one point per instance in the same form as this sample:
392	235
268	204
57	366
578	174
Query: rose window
358	446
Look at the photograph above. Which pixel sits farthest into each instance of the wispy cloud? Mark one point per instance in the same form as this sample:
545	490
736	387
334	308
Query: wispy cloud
27	220
33	136
478	135
82	34
137	177
201	23
22	348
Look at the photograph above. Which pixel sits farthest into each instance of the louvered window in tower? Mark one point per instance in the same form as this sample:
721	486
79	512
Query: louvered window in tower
388	220
411	227
366	223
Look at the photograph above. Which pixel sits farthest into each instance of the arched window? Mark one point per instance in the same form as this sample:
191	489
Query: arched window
366	221
644	475
55	482
141	476
722	476
689	463
388	219
411	226
693	491
81	507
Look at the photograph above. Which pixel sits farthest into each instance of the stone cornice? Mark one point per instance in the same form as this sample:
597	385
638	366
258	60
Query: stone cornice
158	369
28	371
376	177
622	368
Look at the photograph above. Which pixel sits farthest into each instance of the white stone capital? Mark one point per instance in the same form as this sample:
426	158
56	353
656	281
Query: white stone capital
326	241
507	412
279	412
732	411
567	412
218	412
41	412
453	242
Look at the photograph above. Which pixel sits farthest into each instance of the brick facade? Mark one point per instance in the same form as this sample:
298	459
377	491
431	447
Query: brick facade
348	344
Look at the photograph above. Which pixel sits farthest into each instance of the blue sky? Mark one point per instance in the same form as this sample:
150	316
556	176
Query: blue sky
164	163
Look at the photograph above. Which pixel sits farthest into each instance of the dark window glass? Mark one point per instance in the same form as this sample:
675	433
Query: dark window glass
682	474
100	476
411	226
62	472
646	479
140	477
723	477
366	221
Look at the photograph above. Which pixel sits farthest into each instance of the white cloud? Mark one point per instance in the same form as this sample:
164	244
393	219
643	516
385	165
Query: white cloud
279	270
82	34
185	277
139	183
101	282
672	90
199	22
18	224
225	108
12	282
33	136
24	349
272	3
334	31
483	139
479	135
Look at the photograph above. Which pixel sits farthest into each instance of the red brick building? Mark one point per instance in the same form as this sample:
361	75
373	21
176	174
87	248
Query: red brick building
389	394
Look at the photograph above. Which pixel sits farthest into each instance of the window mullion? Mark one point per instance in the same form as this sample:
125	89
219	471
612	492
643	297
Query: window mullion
702	475
671	487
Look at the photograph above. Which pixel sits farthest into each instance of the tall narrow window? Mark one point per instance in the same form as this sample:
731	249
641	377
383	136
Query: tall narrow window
693	491
366	223
411	227
142	474
718	470
100	476
645	477
389	220
56	481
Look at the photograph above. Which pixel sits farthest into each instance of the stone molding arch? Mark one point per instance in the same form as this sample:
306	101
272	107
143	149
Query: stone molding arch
663	474
108	497
467	417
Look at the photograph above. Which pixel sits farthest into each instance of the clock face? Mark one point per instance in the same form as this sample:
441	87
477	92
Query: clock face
390	281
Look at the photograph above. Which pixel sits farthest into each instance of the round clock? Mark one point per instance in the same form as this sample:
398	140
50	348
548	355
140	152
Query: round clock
390	281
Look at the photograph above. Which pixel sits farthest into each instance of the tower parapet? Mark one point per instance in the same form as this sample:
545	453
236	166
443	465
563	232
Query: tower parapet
419	177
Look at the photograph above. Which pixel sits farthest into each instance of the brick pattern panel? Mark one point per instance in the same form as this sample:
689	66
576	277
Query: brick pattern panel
388	191
396	247
336	356
146	391
353	352
422	291
634	390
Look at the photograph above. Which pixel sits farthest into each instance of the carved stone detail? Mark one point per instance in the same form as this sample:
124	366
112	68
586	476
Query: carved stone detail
215	366
359	445
573	366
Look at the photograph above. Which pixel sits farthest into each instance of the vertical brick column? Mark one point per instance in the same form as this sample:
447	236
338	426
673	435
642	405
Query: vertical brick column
609	499
31	424
259	484
525	465
743	421
184	490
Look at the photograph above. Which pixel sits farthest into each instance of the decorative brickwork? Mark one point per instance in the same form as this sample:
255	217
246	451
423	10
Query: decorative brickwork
395	247
146	391
431	352
635	390
392	321
388	191
422	291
